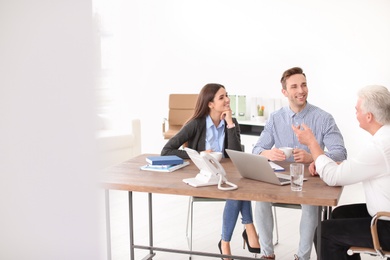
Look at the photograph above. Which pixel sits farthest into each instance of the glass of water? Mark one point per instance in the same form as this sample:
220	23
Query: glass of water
296	175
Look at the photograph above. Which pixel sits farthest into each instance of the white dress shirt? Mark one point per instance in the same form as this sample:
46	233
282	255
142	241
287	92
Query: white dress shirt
371	167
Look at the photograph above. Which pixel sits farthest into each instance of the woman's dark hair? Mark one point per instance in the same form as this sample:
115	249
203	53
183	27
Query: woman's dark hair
206	95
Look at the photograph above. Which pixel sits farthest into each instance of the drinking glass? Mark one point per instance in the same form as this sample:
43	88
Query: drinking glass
296	174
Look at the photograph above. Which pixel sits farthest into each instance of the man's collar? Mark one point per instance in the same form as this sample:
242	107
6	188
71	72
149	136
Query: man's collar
300	114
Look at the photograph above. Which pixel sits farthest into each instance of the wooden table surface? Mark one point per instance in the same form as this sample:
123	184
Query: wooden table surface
128	176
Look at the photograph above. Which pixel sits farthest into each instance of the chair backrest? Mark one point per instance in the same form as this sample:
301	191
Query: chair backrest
377	249
181	108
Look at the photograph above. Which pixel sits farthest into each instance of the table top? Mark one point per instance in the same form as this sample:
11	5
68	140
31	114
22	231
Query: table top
127	176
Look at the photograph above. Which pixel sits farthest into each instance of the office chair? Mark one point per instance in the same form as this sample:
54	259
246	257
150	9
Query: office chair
326	211
281	205
377	249
190	216
181	107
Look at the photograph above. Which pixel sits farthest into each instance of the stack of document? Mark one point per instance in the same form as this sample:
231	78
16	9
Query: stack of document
164	163
276	167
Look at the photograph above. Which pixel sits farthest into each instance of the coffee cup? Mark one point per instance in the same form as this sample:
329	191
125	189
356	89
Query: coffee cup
287	151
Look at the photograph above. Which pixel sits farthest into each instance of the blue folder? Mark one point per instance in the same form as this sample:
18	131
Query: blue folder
164	160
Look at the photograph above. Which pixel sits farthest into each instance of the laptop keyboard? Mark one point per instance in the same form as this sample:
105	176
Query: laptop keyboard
283	179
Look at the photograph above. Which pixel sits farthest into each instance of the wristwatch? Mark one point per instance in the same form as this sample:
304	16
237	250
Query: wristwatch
231	126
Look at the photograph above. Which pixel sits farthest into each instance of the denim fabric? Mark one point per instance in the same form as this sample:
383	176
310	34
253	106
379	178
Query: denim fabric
230	216
265	225
307	228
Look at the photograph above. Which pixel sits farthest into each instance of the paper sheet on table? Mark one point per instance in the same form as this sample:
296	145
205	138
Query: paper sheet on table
276	167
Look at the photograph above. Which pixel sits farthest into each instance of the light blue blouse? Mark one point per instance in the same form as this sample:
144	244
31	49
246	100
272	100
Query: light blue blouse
215	136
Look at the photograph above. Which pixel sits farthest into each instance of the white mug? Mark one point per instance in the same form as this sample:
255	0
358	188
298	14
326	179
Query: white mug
287	151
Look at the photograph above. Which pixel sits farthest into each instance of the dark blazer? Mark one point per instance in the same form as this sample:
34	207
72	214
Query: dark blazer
194	132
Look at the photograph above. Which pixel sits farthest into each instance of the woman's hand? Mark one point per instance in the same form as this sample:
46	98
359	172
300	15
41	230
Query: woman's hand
227	116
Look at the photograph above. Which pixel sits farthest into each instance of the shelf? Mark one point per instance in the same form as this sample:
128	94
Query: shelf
251	127
251	122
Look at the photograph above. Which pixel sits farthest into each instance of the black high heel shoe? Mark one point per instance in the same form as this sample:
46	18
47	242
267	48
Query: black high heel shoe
220	248
251	249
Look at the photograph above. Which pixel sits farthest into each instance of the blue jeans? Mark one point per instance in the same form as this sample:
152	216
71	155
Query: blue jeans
265	224
230	216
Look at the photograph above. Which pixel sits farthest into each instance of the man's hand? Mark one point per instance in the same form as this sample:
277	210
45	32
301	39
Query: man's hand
305	136
302	156
274	155
312	169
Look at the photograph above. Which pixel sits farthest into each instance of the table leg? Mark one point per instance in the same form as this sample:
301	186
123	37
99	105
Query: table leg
131	225
108	224
329	213
153	249
319	232
150	222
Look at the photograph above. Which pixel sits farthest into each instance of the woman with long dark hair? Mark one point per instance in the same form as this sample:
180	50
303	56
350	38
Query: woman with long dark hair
213	129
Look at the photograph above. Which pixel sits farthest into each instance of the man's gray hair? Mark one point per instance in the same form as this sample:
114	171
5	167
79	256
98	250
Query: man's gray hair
376	100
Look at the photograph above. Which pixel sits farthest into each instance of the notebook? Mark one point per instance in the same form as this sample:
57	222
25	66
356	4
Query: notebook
164	168
256	167
164	160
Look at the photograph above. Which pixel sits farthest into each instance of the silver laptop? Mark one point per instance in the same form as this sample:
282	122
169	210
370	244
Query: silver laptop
256	167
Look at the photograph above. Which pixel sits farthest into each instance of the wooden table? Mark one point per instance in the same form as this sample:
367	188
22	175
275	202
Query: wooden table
127	176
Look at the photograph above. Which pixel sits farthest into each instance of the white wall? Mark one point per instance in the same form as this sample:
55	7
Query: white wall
48	187
179	46
164	46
